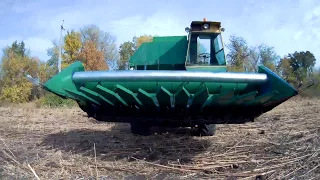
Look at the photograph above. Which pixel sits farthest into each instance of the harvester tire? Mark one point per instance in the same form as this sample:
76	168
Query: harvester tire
207	129
88	109
140	128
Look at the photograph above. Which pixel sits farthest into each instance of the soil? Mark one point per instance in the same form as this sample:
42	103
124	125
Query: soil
62	143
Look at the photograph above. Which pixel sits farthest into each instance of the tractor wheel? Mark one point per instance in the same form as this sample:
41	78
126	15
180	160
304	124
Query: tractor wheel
140	128
206	129
89	109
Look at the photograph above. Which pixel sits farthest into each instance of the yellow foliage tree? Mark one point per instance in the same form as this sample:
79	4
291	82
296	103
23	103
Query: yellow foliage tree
142	39
15	64
16	93
16	88
72	46
92	58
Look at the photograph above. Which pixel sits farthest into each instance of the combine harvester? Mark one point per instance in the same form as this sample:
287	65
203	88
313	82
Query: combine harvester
167	85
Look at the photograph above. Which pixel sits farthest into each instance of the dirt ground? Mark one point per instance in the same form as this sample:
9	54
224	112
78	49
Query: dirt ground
64	144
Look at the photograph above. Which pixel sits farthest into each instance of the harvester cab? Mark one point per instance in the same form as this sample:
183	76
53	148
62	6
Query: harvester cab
201	50
205	46
176	81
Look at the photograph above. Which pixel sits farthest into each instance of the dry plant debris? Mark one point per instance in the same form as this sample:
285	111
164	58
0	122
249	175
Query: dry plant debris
64	144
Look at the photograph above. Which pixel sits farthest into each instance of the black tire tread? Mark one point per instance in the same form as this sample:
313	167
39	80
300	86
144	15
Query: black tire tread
207	129
140	128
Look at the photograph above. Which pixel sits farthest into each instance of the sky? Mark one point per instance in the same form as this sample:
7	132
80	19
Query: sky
286	25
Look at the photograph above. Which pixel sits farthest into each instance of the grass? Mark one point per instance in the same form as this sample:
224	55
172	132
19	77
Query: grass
62	143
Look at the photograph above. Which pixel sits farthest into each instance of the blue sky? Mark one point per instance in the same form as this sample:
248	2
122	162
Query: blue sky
287	25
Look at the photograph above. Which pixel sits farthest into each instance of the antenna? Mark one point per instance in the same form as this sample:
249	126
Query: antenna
59	61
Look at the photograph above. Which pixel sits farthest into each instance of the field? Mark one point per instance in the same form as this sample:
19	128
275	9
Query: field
63	143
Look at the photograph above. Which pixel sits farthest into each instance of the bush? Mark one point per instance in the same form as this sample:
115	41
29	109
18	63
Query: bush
16	93
52	100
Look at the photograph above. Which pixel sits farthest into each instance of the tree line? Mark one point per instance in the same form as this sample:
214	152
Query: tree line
296	68
97	50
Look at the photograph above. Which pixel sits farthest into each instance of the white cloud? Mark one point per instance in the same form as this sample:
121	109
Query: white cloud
38	47
159	24
38	44
287	25
8	41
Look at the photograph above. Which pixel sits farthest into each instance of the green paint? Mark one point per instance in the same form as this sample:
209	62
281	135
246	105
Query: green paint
169	53
163	51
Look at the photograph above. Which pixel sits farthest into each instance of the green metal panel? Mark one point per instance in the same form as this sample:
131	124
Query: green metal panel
182	96
146	99
62	83
164	50
96	96
169	38
207	68
200	97
128	95
162	67
173	87
170	98
195	96
276	84
111	95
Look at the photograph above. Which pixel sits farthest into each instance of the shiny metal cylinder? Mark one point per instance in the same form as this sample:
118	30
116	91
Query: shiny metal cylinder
167	76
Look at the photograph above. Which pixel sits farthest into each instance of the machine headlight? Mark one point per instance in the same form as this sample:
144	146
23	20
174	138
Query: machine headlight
206	26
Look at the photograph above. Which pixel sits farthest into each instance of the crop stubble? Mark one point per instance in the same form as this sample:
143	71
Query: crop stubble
64	144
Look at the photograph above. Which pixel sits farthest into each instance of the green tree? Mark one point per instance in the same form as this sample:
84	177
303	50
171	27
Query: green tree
18	49
262	55
253	59
268	56
285	70
297	68
126	50
241	57
302	64
69	51
239	53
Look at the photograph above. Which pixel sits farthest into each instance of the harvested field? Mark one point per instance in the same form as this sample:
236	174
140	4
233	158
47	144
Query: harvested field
64	144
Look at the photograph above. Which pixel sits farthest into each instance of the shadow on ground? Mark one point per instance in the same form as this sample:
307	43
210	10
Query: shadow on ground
118	143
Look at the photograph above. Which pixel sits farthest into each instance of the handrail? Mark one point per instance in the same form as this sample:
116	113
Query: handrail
189	36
